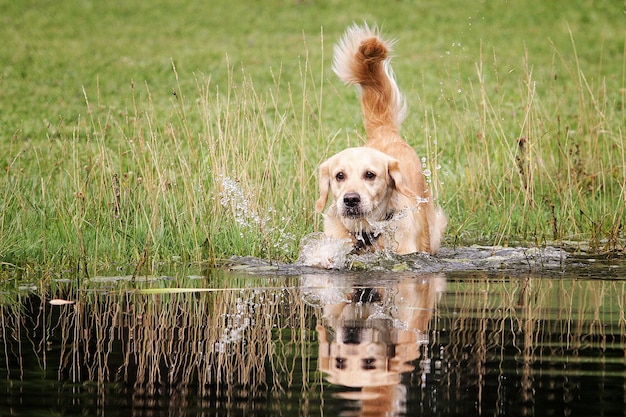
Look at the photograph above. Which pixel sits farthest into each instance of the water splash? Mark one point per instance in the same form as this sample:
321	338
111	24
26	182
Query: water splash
233	196
249	219
322	251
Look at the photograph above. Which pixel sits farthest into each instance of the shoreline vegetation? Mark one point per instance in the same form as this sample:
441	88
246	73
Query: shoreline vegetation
125	146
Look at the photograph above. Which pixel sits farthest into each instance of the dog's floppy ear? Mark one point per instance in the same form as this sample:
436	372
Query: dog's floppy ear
400	184
324	187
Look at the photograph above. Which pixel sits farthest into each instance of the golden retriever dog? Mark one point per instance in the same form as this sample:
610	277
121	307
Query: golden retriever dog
378	187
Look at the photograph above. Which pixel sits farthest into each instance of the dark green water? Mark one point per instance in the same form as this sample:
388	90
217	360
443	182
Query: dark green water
265	341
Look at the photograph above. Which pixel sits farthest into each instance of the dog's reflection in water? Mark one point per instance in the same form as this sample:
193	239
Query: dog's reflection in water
371	331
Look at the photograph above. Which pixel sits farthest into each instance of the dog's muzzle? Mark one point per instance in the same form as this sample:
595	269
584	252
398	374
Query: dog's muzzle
352	205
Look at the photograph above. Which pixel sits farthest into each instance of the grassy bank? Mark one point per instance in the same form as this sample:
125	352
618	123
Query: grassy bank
135	133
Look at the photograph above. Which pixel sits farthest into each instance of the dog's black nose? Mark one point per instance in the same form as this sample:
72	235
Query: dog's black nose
352	199
352	335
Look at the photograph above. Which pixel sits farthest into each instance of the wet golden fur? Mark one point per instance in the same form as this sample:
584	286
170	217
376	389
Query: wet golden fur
382	181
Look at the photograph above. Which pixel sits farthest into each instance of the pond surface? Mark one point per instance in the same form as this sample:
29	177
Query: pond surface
256	339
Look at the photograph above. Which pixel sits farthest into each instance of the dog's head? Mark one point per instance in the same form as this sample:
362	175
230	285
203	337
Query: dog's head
362	182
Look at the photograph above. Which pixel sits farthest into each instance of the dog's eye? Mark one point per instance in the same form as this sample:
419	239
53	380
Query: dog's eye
369	364
369	175
341	363
340	176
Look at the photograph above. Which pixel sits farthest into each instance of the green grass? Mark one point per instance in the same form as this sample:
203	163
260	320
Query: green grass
139	133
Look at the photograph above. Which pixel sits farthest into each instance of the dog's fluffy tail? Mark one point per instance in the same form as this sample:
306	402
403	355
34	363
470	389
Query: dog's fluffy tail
362	58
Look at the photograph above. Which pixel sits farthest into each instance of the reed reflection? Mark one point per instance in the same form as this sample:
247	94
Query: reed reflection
164	351
529	345
491	344
371	333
